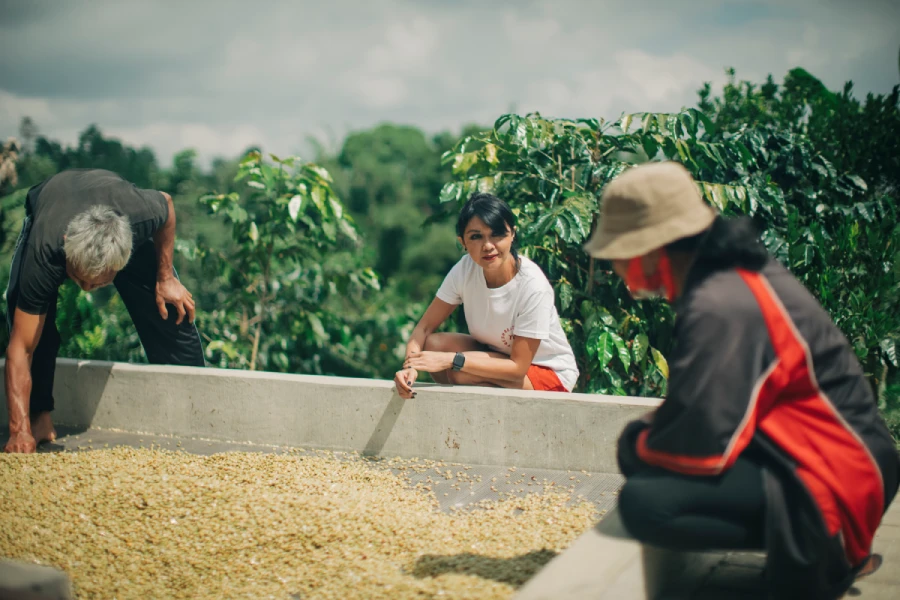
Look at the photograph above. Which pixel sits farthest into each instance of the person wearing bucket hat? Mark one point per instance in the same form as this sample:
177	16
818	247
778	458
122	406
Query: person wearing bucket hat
769	437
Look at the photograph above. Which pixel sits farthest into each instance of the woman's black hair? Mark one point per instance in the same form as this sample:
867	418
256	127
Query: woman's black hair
495	213
728	243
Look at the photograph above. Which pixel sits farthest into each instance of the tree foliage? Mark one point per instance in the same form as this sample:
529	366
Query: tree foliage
552	173
289	277
284	286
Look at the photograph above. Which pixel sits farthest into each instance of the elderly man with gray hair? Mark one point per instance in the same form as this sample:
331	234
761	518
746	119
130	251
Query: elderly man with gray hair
95	228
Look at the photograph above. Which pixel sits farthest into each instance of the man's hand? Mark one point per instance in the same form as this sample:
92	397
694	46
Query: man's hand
21	442
170	291
404	381
430	362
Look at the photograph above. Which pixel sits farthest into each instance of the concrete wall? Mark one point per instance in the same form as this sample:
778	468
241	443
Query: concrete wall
464	424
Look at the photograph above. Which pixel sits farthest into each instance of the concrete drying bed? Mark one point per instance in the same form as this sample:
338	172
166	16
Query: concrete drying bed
500	440
457	492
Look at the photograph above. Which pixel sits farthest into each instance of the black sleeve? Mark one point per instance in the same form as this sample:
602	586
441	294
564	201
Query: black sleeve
721	359
39	281
152	214
626	454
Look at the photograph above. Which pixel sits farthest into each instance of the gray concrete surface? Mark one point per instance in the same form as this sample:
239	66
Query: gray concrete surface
567	439
26	581
546	430
606	564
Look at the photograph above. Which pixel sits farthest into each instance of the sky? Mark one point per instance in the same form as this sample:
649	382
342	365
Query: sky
219	75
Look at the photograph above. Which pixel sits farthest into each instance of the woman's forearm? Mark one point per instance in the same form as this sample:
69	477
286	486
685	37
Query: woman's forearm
483	364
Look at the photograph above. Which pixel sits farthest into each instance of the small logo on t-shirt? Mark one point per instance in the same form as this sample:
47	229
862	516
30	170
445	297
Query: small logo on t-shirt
508	336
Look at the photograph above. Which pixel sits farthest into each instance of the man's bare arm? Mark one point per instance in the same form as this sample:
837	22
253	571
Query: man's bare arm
25	336
168	288
164	240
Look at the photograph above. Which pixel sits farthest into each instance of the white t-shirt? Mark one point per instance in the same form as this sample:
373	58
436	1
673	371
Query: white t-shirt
524	306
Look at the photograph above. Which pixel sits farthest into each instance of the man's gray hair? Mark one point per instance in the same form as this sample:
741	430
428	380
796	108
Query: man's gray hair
97	241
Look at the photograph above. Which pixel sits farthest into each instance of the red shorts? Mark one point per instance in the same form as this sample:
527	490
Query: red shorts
544	379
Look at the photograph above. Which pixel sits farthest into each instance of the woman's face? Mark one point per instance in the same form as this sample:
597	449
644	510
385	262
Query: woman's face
488	250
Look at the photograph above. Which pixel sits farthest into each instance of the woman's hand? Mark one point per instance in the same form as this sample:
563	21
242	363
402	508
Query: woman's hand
430	362
404	381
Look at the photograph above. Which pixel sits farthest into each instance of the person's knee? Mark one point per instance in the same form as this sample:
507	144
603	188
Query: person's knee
437	342
640	510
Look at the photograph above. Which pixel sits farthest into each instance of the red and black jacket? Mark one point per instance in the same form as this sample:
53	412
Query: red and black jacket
757	361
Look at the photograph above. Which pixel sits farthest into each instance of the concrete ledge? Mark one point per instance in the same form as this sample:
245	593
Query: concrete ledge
605	563
26	581
488	426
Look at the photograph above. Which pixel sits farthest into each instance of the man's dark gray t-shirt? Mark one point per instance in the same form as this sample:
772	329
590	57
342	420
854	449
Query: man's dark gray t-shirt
53	203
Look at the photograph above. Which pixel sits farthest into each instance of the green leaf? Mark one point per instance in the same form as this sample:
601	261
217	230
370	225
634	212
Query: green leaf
318	329
336	207
490	154
254	232
650	146
226	348
661	120
566	293
889	349
318	199
606	318
237	213
639	347
604	349
294	207
625	123
463	162
715	193
186	248
858	182
660	361
622	349
320	171
450	192
684	152
330	230
348	229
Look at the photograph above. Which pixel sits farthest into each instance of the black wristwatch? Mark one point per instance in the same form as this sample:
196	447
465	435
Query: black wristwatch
458	361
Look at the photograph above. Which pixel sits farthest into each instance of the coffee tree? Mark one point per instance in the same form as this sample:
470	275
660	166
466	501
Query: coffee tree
286	285
552	172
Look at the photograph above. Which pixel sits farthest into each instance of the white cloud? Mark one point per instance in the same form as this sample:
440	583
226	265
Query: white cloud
218	76
208	141
657	79
378	91
407	48
633	80
405	51
530	32
13	108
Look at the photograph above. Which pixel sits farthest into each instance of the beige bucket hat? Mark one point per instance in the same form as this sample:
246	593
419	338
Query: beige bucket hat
647	207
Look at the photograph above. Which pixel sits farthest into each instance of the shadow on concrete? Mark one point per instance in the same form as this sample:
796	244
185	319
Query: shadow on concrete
384	427
77	390
515	571
611	526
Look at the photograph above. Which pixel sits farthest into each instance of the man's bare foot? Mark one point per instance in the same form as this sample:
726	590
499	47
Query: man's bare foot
20	442
42	428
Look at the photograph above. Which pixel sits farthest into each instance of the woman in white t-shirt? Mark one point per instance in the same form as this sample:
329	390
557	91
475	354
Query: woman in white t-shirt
515	340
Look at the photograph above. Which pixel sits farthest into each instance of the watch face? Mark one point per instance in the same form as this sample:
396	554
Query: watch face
458	361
